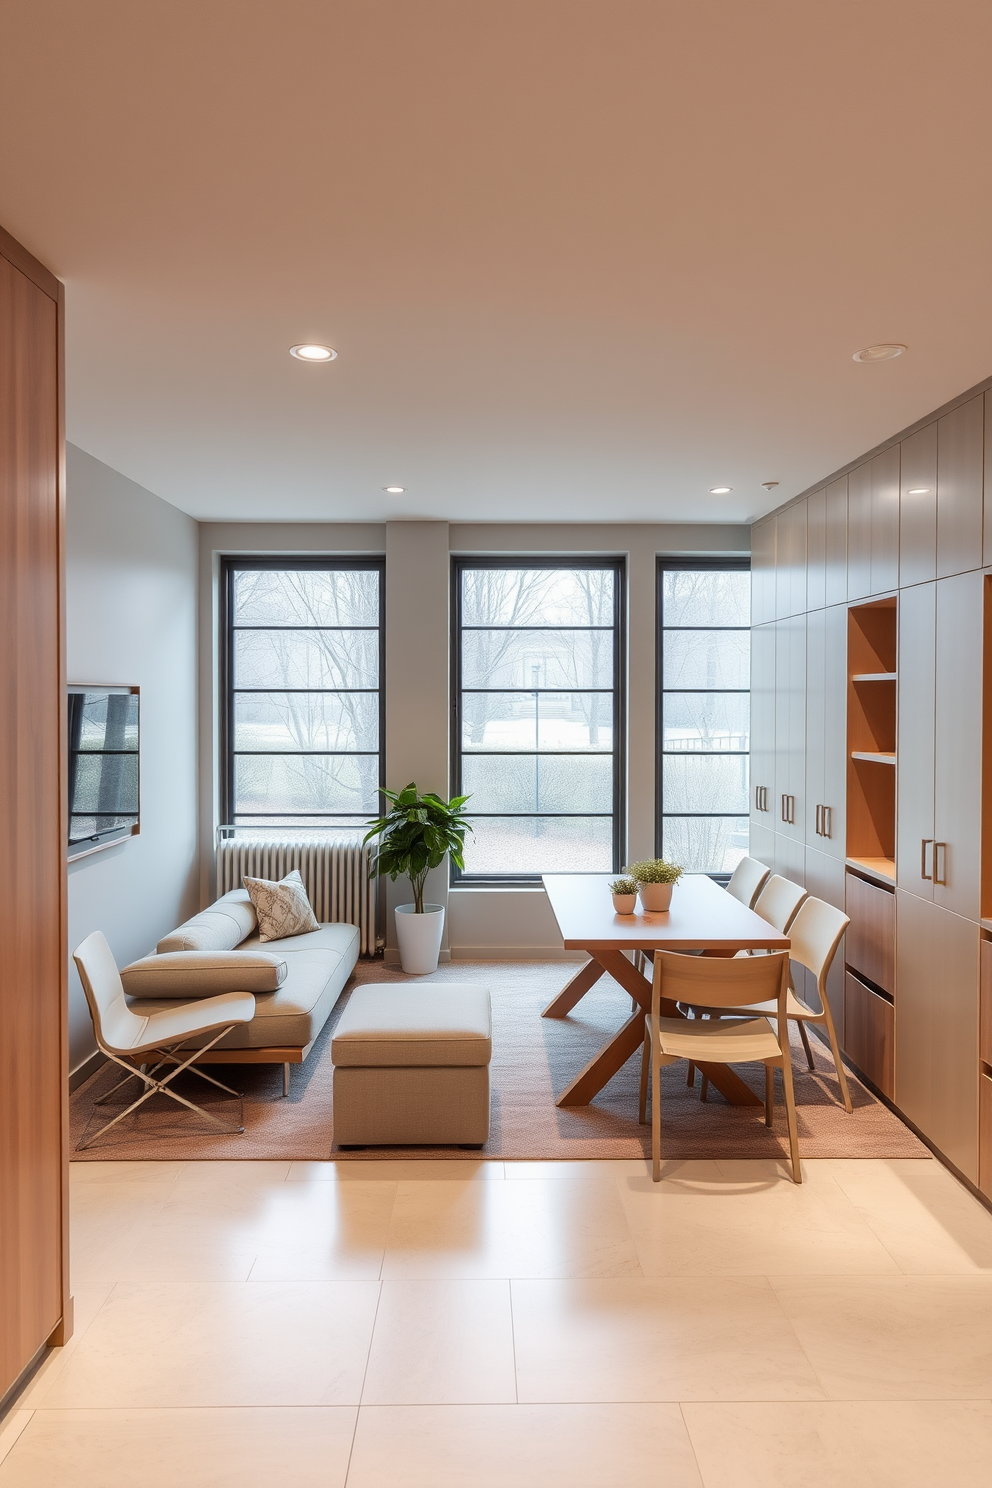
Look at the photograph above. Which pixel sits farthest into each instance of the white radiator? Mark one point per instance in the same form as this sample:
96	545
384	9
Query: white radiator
336	875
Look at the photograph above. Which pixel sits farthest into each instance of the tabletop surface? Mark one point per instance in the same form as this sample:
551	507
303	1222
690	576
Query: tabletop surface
703	916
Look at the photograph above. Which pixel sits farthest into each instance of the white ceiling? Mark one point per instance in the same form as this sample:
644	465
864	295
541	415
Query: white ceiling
581	261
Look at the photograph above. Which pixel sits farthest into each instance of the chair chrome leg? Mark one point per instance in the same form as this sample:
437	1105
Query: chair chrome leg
285	1079
153	1087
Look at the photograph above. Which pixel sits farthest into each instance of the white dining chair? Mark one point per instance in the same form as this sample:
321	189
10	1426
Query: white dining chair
747	880
129	1039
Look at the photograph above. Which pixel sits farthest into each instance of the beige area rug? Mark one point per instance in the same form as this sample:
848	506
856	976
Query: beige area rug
534	1058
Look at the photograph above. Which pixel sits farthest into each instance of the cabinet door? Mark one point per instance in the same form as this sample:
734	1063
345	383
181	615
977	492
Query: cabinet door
859	532
885	521
762	843
835	578
790	726
816	551
987	559
834	686
936	1074
918	507
762	763
763	571
816	724
960	450
915	738
958	745
825	879
790	561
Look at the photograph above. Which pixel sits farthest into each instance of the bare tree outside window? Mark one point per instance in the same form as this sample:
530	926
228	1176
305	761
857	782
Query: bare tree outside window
537	710
304	647
704	704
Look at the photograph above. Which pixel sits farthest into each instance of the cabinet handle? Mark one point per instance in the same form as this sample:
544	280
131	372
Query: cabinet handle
940	857
926	842
828	821
818	810
789	809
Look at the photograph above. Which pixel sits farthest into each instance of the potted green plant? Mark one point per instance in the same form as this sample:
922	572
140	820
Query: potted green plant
415	835
656	878
624	891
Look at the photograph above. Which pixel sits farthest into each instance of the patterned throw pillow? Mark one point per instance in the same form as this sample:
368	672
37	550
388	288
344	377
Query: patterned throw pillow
282	908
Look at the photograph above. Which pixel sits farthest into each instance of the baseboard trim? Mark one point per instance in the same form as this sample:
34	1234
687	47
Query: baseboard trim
88	1067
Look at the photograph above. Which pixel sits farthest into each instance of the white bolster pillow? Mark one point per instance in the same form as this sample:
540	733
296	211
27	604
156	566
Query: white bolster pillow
191	974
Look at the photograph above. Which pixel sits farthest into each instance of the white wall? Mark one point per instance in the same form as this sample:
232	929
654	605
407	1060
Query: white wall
483	923
131	606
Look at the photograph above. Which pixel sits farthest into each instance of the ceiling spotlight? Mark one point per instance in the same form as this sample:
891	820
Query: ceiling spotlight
919	491
310	352
882	353
768	485
394	490
720	490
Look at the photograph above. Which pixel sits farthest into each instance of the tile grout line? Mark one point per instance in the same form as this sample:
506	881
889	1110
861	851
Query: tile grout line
361	1392
513	1343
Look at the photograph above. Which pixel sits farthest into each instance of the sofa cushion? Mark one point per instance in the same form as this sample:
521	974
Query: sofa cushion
320	964
219	928
283	908
431	1024
191	974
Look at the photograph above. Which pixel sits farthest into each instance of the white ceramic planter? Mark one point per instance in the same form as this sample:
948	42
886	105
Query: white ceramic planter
655	897
624	903
419	937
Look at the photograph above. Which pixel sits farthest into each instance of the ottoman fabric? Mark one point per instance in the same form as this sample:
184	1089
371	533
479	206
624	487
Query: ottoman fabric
411	1066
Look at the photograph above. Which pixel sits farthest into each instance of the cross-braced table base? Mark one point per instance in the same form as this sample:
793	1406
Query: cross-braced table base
630	1037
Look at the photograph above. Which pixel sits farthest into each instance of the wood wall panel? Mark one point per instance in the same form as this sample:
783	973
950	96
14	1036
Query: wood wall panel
871	935
33	1299
869	1037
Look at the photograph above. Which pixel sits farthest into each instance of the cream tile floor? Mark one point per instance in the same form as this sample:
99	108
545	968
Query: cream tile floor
446	1324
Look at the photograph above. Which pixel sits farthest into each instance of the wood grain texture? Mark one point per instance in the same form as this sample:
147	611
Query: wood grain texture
871	728
985	1013
871	935
985	1134
33	1088
869	1033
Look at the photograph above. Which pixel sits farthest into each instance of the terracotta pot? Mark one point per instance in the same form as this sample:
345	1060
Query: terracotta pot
655	897
624	903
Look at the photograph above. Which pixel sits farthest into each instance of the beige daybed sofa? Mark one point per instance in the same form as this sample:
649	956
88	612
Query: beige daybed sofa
288	1019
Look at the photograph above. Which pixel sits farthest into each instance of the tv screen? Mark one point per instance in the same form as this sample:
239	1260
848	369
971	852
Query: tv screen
103	766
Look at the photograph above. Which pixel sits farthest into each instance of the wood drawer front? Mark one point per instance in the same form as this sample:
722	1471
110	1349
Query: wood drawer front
869	1033
985	1016
871	935
985	1134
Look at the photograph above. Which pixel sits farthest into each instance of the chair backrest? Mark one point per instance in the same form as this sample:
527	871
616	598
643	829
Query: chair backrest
117	1029
815	934
778	901
718	981
747	879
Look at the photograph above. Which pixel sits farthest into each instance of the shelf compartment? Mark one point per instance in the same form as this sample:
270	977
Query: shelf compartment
871	730
880	868
873	757
874	677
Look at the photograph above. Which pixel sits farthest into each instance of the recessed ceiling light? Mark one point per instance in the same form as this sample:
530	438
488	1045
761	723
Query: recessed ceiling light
919	491
394	490
311	352
882	353
720	490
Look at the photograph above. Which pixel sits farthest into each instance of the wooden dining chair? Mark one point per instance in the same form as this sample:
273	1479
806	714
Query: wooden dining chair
747	880
724	987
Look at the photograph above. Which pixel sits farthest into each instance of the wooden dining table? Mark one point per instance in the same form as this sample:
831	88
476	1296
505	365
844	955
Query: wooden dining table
703	917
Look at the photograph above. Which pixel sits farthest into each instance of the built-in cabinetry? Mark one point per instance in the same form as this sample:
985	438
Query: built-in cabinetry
35	1306
871	698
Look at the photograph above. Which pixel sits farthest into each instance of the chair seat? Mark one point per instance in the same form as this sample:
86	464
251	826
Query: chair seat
796	1008
719	1040
204	1016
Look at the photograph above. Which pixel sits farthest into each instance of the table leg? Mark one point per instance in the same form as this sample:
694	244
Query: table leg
587	976
615	1054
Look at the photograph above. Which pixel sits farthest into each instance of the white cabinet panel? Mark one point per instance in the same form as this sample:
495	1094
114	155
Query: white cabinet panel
957	790
915	739
763	706
790	727
918	507
763	548
960	444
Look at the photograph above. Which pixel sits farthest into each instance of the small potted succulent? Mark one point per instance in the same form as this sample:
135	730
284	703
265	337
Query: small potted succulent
624	891
656	879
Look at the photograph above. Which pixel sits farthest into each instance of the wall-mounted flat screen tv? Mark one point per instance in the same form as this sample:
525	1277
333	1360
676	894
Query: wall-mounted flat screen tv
103	766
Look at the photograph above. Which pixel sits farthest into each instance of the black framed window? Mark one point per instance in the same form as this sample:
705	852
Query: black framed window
537	738
303	671
704	704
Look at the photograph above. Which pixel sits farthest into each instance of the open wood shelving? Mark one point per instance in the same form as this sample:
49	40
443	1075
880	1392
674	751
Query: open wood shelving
871	738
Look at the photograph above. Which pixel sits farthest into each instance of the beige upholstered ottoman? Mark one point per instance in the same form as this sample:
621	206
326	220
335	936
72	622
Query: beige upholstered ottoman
411	1066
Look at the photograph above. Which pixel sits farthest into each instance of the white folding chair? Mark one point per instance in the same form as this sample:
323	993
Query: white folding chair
128	1039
